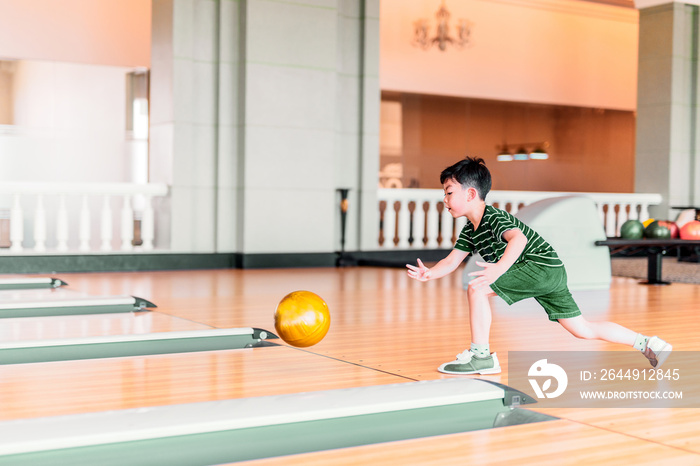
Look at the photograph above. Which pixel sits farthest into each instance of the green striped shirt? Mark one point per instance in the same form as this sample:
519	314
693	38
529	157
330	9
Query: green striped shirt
488	240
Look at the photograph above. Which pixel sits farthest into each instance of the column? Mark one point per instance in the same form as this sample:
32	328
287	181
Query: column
184	119
667	105
357	118
260	110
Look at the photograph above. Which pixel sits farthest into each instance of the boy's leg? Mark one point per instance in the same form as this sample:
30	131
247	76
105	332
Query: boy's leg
607	331
655	349
478	359
480	313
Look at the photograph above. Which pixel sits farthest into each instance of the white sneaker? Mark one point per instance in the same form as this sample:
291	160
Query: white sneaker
657	351
467	363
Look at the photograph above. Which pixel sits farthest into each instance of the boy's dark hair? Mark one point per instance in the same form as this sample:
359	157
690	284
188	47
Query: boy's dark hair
470	172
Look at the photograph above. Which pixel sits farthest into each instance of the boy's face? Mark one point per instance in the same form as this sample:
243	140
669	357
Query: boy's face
457	198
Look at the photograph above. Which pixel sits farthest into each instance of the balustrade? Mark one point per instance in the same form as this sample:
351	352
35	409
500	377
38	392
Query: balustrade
416	218
59	217
62	216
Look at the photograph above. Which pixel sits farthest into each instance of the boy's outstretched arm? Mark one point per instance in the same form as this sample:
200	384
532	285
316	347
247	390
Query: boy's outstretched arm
439	270
491	271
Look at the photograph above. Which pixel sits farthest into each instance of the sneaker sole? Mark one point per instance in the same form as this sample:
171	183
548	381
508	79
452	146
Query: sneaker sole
495	370
663	355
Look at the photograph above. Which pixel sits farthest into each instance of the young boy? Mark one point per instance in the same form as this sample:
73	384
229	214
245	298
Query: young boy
519	264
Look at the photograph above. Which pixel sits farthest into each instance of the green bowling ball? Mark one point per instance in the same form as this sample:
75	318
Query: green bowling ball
656	231
632	229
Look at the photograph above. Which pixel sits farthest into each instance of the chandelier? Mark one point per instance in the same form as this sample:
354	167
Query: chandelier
442	37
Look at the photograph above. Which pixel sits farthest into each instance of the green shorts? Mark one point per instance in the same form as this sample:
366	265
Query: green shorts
547	285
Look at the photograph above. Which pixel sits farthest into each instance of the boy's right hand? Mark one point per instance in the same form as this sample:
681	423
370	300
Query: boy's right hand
420	273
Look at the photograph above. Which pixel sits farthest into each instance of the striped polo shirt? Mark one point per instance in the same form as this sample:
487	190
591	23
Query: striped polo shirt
488	240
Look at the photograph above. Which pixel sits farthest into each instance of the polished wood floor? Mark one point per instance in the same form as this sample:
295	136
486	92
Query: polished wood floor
385	329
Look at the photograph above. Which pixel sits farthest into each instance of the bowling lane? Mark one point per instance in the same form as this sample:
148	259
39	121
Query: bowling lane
239	429
12	282
576	444
61	301
91	325
134	337
71	387
19	295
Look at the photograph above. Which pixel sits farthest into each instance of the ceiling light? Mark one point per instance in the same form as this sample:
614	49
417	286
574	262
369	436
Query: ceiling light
525	151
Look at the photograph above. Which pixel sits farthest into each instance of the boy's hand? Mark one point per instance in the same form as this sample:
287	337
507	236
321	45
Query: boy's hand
488	275
420	273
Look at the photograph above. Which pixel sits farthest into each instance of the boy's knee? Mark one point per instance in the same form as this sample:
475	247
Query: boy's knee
478	291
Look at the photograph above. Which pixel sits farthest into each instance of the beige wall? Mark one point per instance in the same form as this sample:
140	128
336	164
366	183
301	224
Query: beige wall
100	32
590	150
564	52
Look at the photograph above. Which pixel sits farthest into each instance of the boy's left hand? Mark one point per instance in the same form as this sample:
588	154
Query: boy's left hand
486	276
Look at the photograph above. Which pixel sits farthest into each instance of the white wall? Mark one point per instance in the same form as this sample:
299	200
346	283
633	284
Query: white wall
566	52
69	86
69	124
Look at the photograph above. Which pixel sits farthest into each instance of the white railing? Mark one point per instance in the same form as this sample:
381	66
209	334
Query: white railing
58	217
416	218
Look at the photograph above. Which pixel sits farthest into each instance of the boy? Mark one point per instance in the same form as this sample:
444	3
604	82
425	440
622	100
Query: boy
519	264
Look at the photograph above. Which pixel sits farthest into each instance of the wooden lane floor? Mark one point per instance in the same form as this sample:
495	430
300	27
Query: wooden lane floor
369	298
92	325
91	331
401	330
382	319
557	443
93	336
259	427
71	387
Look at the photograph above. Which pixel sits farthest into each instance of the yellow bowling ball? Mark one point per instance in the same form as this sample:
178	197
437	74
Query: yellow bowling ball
302	319
647	222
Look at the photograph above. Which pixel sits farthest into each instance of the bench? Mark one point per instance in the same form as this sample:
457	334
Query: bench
655	250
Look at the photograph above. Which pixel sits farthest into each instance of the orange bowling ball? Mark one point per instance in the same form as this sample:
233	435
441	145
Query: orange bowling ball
302	319
691	230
